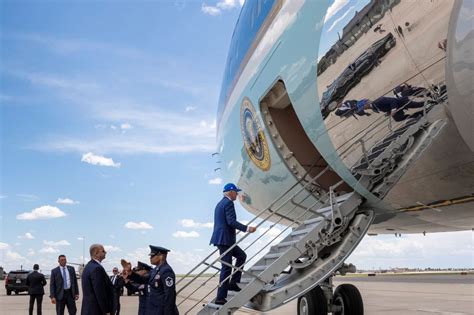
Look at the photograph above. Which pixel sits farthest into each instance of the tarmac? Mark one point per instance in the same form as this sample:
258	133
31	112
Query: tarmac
422	294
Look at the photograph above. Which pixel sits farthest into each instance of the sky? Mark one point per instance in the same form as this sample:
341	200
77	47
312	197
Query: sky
108	129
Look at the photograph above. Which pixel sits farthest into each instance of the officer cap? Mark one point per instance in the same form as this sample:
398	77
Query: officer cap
155	250
231	187
143	266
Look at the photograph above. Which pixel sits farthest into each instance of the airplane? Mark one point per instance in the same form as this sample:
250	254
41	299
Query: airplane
393	153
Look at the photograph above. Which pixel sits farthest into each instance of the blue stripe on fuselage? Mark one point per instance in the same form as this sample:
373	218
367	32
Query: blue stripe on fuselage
251	19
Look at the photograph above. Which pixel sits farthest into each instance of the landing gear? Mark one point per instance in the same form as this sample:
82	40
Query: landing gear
344	300
313	303
347	300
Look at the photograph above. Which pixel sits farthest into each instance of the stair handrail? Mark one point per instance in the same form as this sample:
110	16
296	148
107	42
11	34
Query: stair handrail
246	235
265	246
258	215
209	278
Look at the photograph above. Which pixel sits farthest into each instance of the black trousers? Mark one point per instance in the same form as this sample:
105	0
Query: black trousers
67	300
39	302
116	303
240	256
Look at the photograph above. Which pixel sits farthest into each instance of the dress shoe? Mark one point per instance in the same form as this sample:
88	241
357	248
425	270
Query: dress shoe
220	302
235	288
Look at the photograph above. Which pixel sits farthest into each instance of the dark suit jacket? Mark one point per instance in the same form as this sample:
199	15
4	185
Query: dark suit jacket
56	285
225	223
96	290
35	282
119	283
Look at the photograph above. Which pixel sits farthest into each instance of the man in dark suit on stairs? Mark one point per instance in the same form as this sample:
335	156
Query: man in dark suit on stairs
223	236
35	282
96	286
63	288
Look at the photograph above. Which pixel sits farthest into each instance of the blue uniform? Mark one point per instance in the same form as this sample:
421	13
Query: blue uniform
142	295
161	290
223	236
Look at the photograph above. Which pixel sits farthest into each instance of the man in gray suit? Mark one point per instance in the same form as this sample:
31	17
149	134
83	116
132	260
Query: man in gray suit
35	282
63	287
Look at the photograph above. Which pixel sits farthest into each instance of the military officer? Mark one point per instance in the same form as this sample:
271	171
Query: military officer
161	283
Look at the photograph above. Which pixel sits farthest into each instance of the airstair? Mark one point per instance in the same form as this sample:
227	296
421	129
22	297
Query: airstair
323	236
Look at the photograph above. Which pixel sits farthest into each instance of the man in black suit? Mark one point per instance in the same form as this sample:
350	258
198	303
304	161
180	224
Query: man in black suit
63	288
117	284
35	282
96	286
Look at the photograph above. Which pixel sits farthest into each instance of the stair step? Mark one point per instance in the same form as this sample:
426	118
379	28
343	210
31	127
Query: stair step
301	232
313	220
244	282
286	244
272	255
213	306
258	268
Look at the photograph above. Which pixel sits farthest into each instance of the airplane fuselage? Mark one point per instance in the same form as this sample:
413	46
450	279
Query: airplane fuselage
284	118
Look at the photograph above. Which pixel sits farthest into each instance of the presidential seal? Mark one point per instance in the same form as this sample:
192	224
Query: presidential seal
254	139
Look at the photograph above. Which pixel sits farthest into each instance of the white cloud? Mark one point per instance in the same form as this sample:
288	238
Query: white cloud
43	212
80	238
31	252
207	9
27	236
190	108
340	18
334	8
56	244
28	197
182	262
3	246
221	6
98	160
13	256
439	250
139	254
111	248
69	46
49	250
55	82
183	234
67	201
138	226
125	126
215	181
190	223
160	132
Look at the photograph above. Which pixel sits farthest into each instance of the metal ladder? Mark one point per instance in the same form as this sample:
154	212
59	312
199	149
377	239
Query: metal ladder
324	235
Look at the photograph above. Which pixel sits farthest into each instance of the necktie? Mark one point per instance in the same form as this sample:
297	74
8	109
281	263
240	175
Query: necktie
64	278
113	279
